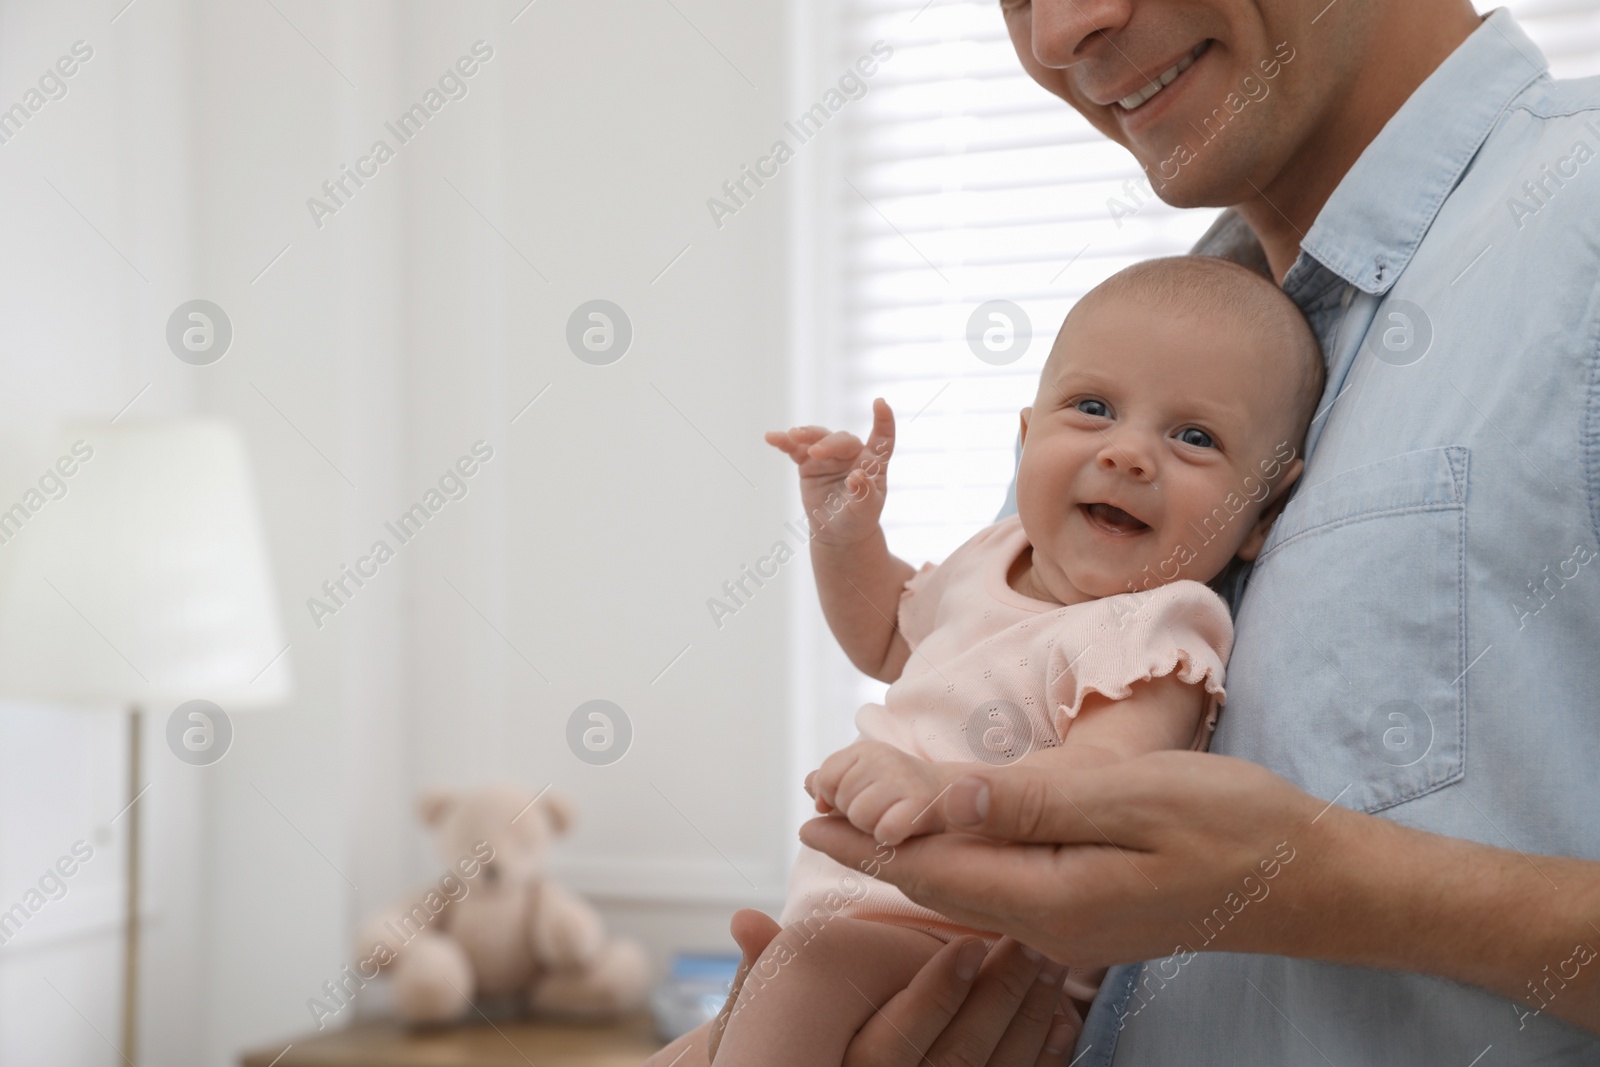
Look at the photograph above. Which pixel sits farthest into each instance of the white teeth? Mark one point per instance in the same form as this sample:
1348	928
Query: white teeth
1133	100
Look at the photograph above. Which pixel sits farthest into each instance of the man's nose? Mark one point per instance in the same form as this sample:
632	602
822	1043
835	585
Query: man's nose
1128	452
1064	30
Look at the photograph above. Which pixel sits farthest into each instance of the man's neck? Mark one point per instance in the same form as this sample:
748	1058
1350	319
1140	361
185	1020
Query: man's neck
1416	37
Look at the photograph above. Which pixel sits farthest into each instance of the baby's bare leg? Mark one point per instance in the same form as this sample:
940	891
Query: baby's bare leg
688	1051
815	986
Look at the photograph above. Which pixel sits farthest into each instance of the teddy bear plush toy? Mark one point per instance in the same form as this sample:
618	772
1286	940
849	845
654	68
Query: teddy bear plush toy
494	928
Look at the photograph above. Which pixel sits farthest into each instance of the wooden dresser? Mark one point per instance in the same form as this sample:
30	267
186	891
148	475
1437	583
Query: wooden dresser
504	1044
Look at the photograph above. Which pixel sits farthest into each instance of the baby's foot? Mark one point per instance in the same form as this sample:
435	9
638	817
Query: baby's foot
883	791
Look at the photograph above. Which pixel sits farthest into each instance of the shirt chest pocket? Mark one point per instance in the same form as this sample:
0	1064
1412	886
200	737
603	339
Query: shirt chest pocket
1349	669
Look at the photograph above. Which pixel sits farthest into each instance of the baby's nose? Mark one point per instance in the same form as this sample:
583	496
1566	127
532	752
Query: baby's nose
1127	457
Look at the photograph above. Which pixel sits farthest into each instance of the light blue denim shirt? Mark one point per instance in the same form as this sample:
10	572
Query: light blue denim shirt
1420	638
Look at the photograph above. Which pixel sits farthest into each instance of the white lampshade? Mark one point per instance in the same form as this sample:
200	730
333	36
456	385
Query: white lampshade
147	582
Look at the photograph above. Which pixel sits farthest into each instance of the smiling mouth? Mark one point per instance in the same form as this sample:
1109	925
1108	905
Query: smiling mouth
1137	99
1113	519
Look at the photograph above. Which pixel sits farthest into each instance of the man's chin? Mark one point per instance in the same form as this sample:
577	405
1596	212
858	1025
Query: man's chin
1195	185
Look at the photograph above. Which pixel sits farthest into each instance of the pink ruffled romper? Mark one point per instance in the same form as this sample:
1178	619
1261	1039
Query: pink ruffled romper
994	673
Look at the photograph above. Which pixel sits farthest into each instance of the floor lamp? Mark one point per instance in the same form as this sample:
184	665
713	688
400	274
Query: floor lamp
141	581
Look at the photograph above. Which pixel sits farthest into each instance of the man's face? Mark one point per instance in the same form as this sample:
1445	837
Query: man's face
1245	81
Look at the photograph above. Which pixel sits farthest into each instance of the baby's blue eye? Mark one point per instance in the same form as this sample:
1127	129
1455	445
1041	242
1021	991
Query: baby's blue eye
1196	437
1097	408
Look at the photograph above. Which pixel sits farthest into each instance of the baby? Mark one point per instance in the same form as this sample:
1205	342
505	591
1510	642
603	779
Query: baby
1160	445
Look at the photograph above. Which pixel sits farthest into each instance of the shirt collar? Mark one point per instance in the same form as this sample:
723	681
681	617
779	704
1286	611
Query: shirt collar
1372	224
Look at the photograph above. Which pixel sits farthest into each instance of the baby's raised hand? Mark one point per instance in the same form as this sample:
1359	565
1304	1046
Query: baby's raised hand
884	792
843	483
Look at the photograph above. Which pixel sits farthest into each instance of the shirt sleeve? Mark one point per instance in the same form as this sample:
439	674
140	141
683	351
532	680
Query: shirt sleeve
1182	629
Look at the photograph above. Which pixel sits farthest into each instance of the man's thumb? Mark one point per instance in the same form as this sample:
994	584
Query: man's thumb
753	931
1018	804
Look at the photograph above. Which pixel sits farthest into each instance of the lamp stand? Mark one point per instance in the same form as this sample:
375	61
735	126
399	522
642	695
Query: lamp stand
130	927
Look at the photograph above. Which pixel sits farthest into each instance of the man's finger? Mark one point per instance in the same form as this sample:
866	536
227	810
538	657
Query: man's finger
753	931
957	874
1007	996
1016	804
1062	1038
902	1031
1032	1024
836	837
1031	804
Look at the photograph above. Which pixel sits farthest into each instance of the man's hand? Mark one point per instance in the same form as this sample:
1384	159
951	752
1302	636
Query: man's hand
752	931
1119	864
1116	862
843	483
883	791
963	1009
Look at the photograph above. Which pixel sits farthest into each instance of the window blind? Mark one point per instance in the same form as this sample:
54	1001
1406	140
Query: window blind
961	181
957	180
964	182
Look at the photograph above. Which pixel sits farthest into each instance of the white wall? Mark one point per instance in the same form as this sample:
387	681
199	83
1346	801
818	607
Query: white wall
372	354
299	809
628	493
96	253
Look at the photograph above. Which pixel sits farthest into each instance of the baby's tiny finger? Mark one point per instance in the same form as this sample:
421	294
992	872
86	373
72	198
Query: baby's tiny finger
899	822
827	778
839	444
788	446
822	805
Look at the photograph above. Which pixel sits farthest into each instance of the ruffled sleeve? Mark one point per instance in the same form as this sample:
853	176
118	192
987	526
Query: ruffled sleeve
919	604
918	614
1182	629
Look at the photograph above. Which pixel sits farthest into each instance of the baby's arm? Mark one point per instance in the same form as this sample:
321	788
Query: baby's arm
894	795
1158	714
842	485
859	586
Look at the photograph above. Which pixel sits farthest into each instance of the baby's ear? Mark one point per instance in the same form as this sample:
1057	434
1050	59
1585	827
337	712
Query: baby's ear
1257	537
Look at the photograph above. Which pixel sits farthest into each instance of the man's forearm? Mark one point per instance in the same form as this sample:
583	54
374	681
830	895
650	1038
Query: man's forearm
1524	926
859	585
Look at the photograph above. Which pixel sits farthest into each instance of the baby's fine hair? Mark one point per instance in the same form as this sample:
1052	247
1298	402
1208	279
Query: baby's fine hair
1207	283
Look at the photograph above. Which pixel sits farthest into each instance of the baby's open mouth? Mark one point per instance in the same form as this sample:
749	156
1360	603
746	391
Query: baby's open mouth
1113	519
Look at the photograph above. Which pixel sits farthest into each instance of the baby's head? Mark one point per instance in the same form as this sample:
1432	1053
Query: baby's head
1167	428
